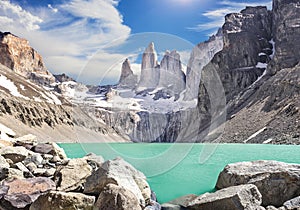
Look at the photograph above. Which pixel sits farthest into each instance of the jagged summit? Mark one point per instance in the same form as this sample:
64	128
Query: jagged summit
150	48
19	56
127	78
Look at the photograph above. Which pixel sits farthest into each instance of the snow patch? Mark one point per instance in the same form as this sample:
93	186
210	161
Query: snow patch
11	87
268	141
255	134
262	53
261	65
273	49
22	87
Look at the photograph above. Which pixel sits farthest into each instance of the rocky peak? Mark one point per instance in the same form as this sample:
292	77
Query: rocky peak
149	72
19	56
127	78
171	74
63	78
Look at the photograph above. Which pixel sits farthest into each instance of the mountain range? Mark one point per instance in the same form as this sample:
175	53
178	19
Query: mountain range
242	86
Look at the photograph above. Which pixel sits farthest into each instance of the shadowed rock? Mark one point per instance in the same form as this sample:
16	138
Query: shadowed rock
276	181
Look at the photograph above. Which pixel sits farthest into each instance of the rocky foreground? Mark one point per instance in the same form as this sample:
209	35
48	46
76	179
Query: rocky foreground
39	176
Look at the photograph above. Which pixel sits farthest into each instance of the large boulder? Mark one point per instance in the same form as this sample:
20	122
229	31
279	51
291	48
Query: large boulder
122	174
117	198
16	154
276	181
61	200
72	176
22	192
243	197
27	141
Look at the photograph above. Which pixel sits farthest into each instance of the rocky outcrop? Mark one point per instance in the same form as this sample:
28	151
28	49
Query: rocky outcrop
242	68
171	74
276	181
17	55
242	197
246	35
67	180
127	78
286	31
150	71
200	57
63	78
120	173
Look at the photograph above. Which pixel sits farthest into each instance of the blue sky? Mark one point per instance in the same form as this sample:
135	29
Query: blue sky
88	39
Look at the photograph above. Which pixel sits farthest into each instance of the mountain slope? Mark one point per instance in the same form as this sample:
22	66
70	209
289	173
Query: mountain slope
259	71
27	107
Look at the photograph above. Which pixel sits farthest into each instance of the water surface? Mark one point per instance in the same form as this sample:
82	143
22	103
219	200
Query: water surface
174	170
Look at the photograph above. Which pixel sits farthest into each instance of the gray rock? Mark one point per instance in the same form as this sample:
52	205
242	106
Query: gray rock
61	200
4	166
16	154
23	192
127	78
286	30
72	176
3	163
171	74
14	173
292	204
58	151
31	166
43	148
122	174
276	181
153	205
21	167
184	200
149	73
94	160
35	158
26	140
117	198
201	55
169	206
243	197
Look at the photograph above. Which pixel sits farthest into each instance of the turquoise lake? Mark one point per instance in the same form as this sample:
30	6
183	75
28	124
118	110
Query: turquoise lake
174	170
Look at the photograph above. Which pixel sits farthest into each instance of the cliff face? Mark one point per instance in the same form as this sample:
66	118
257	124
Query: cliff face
286	32
19	56
200	57
258	73
171	74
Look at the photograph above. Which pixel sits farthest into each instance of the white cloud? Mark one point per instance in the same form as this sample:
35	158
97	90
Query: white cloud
216	17
20	17
68	34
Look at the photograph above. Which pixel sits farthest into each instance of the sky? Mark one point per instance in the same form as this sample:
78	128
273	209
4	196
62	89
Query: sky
89	39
